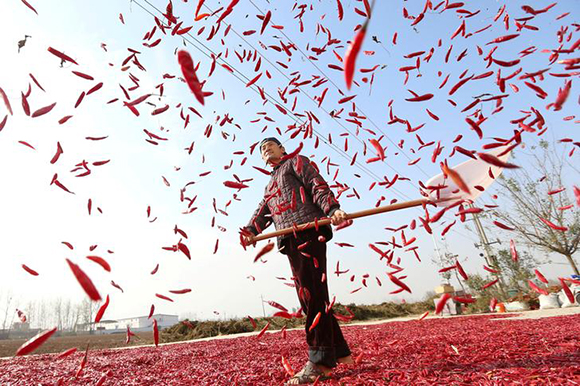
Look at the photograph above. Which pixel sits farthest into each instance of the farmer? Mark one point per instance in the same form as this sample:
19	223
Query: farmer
286	206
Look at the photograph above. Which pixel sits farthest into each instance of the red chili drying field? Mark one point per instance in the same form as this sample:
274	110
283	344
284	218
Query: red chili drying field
471	350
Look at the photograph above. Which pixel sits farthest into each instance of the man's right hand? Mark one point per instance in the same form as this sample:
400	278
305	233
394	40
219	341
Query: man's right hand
247	238
250	240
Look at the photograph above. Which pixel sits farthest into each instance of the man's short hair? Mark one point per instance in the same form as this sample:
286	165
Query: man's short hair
270	139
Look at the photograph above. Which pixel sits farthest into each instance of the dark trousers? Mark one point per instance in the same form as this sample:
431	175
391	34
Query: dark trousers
325	342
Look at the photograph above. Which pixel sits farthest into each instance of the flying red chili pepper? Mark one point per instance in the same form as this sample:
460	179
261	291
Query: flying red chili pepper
62	56
43	110
164	297
340	10
460	270
455	177
490	284
102	262
102	310
553	226
85	282
567	291
155	333
66	353
263	331
492	304
398	282
539	290
352	53
267	248
540	276
29	270
235	185
315	321
188	72
441	303
34	343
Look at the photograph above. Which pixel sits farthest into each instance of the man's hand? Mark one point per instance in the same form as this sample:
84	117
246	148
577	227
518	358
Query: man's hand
247	238
338	217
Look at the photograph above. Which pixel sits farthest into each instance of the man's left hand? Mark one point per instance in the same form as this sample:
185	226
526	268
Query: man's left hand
338	217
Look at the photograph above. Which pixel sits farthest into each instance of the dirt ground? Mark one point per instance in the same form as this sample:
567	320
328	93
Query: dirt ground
61	343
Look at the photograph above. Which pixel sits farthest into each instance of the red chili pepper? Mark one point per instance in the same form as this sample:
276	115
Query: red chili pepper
66	353
502	39
43	110
155	333
263	331
267	248
252	321
294	153
513	251
503	226
164	297
6	101
283	314
155	270
151	311
61	56
340	10
490	284
102	310
183	248
181	291
490	270
102	262
537	289
420	98
29	270
455	177
540	276
287	367
398	282
34	343
466	300
378	148
235	185
460	270
577	194
352	53
567	291
277	305
553	226
492	304
424	315
315	321
84	281
188	72
441	303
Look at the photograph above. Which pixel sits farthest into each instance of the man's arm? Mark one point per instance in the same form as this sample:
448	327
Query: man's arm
315	185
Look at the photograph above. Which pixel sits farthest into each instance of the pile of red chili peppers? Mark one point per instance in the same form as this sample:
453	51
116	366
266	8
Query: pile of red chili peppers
476	350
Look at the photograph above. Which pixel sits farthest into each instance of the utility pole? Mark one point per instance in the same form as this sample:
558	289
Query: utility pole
489	257
263	309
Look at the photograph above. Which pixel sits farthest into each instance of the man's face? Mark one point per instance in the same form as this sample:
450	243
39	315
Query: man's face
272	152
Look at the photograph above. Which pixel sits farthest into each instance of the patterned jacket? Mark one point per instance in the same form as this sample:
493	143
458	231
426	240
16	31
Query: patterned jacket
283	203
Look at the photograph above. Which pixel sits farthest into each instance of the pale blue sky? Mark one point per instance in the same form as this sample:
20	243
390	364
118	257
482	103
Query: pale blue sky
36	217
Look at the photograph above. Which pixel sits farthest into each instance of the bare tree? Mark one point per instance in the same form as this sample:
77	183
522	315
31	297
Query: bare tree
7	301
536	201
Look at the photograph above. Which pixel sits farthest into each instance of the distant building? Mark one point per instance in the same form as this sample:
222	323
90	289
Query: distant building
136	324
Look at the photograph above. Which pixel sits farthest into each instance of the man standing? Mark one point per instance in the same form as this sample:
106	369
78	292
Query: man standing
297	194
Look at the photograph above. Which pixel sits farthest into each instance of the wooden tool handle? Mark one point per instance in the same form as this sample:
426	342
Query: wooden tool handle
350	216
